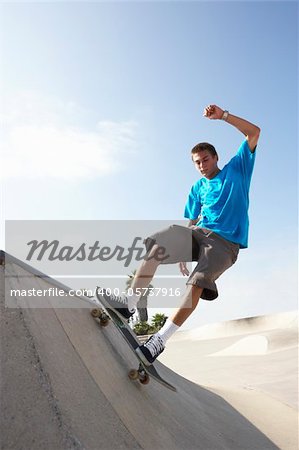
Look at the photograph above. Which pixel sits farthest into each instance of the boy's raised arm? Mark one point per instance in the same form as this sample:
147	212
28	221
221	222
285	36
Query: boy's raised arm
251	131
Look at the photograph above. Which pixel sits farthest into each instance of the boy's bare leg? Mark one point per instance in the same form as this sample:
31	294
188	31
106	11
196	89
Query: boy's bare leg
150	350
191	297
144	276
146	271
190	301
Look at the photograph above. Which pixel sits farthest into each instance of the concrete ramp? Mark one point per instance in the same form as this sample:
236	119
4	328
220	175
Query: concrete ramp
287	322
64	385
250	345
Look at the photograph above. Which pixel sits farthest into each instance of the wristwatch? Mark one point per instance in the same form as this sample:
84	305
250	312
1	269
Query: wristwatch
225	115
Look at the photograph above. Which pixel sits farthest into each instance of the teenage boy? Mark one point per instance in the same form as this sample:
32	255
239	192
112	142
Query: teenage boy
217	209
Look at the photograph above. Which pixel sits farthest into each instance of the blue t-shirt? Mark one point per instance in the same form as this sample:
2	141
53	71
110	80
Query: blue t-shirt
222	202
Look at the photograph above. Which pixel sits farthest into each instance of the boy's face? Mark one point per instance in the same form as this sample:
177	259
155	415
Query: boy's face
206	164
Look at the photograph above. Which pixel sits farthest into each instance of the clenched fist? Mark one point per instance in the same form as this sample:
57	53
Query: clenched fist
213	112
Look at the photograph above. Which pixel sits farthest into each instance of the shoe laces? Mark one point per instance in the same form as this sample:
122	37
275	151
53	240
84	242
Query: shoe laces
154	345
118	299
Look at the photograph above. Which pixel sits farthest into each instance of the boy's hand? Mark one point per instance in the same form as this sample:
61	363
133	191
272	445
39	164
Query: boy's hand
183	268
213	112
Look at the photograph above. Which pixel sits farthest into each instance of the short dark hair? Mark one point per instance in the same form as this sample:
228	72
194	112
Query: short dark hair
204	146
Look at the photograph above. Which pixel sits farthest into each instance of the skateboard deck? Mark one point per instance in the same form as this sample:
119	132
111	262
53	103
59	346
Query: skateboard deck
144	372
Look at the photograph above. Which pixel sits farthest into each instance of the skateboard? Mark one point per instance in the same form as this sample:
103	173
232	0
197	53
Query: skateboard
143	373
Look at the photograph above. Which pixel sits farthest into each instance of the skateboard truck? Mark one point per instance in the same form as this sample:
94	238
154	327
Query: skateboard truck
100	314
134	374
139	374
144	373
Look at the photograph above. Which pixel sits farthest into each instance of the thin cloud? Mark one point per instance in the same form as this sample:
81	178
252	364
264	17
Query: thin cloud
40	140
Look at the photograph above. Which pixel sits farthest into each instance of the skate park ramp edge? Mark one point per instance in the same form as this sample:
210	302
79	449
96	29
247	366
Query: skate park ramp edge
64	385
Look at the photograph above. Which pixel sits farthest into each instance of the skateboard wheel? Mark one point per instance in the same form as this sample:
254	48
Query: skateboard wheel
133	374
96	312
144	378
104	321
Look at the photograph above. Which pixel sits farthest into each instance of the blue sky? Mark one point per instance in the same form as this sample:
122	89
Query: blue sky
102	103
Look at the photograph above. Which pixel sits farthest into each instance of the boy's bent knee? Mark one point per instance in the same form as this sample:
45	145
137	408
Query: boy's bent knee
154	255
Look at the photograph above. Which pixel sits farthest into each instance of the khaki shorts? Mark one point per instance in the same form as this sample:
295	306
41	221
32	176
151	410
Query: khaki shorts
213	254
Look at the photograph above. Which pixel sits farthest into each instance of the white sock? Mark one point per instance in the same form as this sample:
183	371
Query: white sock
168	329
132	302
